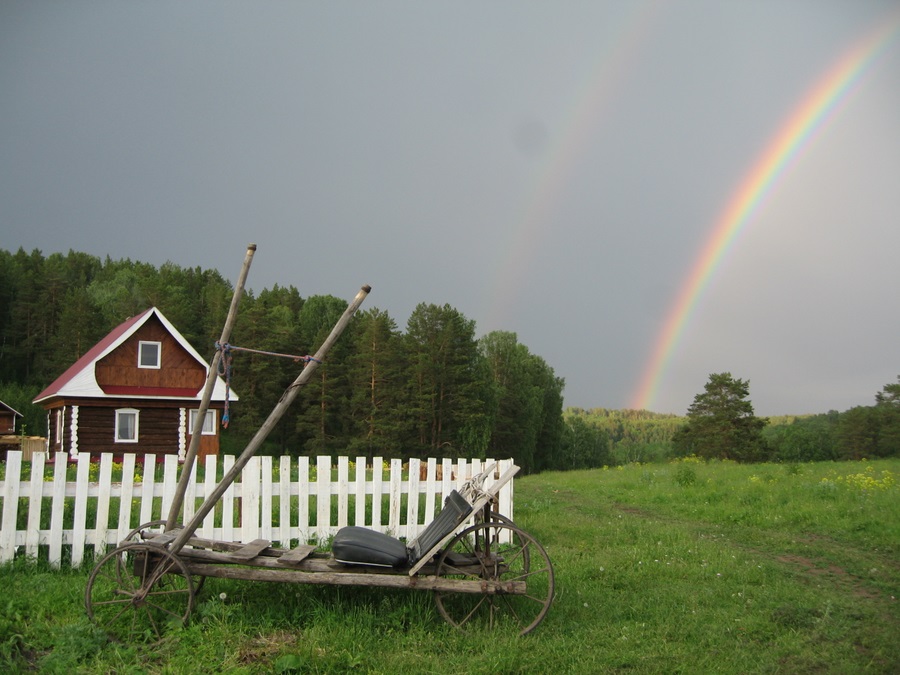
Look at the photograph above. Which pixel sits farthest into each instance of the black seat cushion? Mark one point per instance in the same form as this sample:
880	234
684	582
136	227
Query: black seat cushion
362	546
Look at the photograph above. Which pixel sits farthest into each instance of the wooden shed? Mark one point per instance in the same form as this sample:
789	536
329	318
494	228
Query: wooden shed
8	419
136	391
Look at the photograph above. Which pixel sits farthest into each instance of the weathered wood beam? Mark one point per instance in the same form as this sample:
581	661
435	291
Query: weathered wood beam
211	376
277	412
425	583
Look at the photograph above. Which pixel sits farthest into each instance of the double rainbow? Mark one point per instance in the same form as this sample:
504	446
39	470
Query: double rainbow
808	118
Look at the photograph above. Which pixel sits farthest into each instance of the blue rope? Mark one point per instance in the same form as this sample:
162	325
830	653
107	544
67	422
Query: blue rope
225	370
225	363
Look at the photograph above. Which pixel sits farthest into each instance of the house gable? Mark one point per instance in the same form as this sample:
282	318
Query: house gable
110	370
179	373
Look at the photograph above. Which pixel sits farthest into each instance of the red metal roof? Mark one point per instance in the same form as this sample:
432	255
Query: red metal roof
79	381
91	355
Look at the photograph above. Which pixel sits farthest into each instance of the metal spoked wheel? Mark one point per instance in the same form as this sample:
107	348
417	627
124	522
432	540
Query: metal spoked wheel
137	590
141	534
519	567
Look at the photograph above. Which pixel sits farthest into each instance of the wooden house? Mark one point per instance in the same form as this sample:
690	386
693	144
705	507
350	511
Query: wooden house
138	390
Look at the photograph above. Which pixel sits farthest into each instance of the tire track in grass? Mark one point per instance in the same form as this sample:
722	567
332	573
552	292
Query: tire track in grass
813	558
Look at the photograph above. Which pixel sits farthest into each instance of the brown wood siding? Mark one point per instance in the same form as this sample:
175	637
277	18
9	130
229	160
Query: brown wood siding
209	445
7	423
157	429
178	368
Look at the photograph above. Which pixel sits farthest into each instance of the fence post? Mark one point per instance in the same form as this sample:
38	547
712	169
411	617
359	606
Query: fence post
394	511
343	497
359	518
228	502
377	489
303	501
147	486
10	505
323	497
57	507
101	525
412	499
208	529
35	505
250	500
284	501
126	496
265	498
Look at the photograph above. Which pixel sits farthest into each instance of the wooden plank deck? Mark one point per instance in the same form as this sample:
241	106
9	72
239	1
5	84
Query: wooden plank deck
251	550
296	555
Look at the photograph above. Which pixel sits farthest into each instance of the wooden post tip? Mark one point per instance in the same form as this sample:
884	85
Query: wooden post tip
251	247
367	288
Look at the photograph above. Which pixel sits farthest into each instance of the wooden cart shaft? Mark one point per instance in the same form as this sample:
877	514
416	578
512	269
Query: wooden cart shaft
257	561
336	577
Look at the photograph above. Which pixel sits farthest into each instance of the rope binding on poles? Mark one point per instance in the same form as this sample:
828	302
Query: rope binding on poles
225	365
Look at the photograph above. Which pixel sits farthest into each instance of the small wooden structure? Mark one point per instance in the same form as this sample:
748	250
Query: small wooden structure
491	574
8	438
138	389
8	420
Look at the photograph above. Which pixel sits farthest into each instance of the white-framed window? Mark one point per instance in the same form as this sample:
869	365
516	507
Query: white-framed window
149	354
209	423
60	420
127	425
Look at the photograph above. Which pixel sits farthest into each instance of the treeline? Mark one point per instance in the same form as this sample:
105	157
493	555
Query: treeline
629	435
861	432
433	389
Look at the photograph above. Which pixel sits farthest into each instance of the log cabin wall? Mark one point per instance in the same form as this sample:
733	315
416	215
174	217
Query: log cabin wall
157	428
178	369
209	445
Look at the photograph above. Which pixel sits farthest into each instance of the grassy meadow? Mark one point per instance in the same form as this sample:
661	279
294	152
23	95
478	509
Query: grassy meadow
686	567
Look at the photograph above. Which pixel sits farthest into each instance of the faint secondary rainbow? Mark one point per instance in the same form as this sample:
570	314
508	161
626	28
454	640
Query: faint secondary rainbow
581	119
805	120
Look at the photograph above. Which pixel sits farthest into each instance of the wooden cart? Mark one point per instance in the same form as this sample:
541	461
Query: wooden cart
489	574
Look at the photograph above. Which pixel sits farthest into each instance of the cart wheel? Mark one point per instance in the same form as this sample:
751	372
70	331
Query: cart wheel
497	552
137	590
495	517
139	534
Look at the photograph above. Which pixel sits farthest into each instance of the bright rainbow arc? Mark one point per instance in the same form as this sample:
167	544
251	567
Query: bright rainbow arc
806	119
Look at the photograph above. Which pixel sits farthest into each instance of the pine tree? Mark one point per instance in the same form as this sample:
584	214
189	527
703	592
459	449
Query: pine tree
721	423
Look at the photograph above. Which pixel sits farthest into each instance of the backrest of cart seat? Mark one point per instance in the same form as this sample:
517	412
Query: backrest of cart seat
456	510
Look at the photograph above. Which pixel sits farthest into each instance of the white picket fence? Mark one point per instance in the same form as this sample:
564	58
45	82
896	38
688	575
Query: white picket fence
262	503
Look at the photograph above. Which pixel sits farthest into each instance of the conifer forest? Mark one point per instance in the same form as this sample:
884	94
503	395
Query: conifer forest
429	388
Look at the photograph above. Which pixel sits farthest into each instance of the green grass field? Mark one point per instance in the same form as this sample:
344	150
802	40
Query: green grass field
686	567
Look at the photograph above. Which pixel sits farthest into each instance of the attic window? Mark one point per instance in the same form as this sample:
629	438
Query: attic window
148	354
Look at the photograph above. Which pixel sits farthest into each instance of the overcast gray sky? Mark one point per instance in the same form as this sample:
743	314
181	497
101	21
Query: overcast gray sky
554	169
